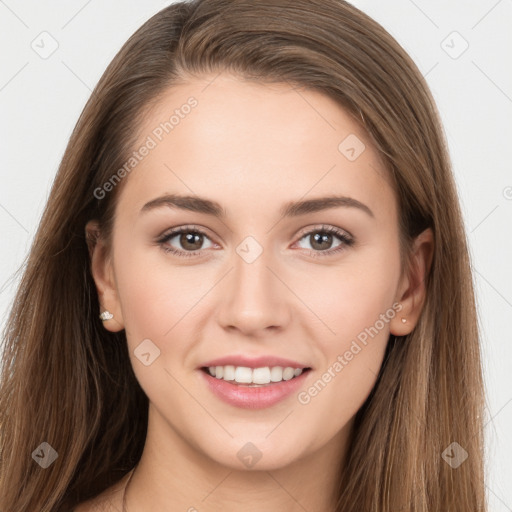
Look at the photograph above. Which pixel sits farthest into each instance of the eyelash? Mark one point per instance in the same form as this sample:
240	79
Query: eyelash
346	239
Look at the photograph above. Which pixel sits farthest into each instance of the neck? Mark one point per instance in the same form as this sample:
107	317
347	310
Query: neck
171	472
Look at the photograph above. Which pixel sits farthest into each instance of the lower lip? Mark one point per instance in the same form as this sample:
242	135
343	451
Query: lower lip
253	397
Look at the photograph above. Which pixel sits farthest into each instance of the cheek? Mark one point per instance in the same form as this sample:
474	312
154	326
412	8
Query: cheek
159	303
155	296
352	360
356	303
351	296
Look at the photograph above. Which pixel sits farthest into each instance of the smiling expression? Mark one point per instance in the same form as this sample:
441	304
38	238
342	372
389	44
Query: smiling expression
263	224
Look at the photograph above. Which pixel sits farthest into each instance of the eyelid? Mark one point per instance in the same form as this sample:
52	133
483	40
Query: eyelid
185	228
324	227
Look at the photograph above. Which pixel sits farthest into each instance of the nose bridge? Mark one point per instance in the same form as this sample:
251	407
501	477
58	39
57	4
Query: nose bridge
254	298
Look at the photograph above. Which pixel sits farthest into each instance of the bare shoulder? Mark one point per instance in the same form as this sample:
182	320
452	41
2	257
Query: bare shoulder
99	504
90	506
110	500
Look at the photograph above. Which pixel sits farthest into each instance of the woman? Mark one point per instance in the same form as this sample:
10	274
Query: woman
250	287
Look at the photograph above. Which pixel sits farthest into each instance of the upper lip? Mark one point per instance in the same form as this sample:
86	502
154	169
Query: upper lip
254	362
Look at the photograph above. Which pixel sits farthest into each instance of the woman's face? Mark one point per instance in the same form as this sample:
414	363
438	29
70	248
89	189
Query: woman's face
265	268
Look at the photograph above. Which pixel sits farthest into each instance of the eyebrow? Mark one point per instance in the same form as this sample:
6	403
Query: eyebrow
291	209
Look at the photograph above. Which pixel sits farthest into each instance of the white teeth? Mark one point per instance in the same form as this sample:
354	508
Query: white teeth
261	375
229	373
245	375
276	374
288	373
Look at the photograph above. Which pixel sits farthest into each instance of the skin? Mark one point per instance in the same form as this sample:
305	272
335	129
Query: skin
252	148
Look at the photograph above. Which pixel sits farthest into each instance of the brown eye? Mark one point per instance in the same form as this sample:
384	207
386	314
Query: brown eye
191	241
184	241
321	240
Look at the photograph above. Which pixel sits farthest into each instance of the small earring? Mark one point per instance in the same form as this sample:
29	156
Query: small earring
106	315
404	320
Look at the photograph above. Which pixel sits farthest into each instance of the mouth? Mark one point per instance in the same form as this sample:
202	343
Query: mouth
253	388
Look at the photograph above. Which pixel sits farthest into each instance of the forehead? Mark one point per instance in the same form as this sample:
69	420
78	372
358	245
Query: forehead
238	142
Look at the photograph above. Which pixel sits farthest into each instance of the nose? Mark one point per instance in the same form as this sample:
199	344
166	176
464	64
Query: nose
254	297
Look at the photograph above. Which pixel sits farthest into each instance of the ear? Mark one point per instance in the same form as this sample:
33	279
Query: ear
411	292
103	275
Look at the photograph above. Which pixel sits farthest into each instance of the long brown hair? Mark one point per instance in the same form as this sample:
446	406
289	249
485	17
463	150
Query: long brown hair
69	382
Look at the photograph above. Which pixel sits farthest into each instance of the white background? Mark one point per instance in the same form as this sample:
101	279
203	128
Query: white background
41	99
